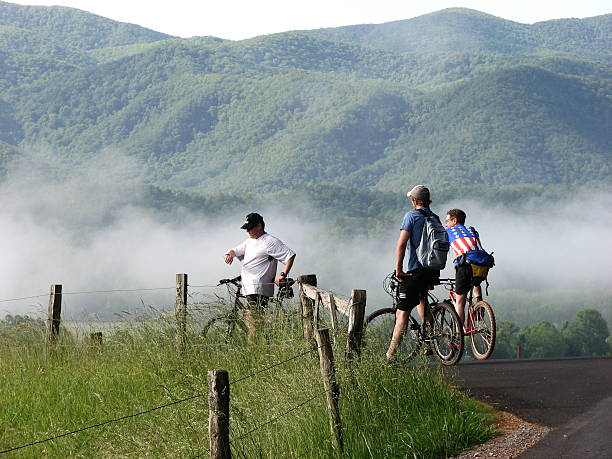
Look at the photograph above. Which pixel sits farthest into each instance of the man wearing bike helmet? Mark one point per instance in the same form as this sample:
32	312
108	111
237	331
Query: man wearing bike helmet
259	254
414	280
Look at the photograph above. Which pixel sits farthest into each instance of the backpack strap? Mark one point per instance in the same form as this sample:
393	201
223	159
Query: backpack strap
477	236
426	215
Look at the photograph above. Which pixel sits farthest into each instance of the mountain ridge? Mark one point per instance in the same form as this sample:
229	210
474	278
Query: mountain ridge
423	34
295	109
75	26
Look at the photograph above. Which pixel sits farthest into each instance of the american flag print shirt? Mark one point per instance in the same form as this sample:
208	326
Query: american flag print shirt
463	239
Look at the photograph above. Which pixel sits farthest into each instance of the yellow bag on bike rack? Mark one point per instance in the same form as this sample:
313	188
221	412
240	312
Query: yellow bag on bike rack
479	272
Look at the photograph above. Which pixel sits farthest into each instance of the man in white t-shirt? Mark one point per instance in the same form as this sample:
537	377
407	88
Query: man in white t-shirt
259	255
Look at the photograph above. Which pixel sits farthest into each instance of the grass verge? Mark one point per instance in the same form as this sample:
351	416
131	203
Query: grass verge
387	411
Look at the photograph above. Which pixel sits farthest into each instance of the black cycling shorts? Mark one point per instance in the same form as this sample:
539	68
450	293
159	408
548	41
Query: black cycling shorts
464	278
414	287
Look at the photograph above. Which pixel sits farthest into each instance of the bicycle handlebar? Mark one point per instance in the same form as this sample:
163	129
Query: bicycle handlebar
288	282
235	281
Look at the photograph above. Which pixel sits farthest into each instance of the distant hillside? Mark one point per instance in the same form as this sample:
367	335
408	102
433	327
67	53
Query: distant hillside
7	154
518	125
75	28
485	103
460	29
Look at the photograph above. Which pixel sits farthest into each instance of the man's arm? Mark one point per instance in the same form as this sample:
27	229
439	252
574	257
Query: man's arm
286	270
236	252
400	252
229	257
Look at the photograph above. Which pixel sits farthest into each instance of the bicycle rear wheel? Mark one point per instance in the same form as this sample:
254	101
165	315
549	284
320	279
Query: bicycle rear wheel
482	338
378	329
447	334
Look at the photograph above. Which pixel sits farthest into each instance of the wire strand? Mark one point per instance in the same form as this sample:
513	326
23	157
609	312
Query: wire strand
133	415
263	370
119	290
24	298
276	418
89	292
157	407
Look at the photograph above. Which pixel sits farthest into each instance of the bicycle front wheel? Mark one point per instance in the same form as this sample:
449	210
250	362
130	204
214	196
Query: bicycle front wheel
223	328
378	330
482	338
447	334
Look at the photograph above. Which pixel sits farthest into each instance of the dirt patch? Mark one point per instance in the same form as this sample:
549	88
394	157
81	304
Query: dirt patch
516	436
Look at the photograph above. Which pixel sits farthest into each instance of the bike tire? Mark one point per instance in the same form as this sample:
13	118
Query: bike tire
222	328
482	339
378	329
447	334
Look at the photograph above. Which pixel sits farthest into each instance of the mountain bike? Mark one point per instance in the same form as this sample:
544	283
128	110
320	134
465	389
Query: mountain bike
230	324
443	335
479	322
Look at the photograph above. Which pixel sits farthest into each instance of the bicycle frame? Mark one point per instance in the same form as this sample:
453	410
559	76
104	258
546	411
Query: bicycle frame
469	326
237	293
283	292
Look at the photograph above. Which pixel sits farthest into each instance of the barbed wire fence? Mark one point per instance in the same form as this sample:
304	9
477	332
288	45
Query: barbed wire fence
181	303
183	400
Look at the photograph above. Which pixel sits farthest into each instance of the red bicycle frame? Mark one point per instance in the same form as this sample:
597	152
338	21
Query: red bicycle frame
468	326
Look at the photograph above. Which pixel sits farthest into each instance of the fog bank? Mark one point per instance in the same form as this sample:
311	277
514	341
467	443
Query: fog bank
85	232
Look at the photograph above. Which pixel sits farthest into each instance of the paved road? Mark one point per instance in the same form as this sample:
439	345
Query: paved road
572	395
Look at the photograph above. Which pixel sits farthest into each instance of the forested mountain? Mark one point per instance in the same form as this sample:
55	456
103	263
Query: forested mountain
75	28
452	99
461	29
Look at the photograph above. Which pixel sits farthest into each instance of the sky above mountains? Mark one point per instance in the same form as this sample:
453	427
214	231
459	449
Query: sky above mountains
240	19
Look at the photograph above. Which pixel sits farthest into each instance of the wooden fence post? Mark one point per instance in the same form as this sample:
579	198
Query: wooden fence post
318	304
332	391
54	314
306	305
333	311
218	414
180	309
355	327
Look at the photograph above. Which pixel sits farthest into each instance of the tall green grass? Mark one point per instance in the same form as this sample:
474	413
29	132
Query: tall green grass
386	411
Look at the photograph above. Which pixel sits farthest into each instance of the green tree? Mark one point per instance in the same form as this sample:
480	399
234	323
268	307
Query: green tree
588	333
543	340
506	340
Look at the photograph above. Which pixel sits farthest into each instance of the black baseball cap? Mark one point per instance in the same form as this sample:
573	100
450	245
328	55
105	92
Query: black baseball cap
252	220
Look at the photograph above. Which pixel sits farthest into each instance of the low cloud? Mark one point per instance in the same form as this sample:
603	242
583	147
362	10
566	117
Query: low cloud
85	232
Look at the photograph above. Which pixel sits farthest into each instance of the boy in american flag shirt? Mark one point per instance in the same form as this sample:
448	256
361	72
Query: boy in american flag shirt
462	240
